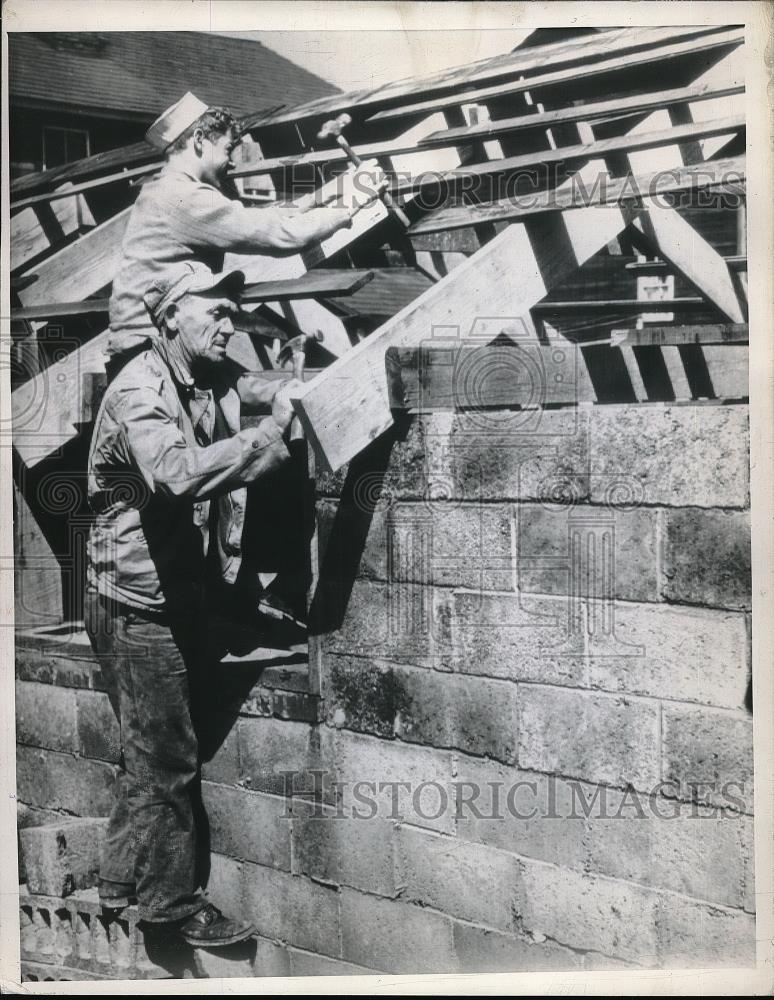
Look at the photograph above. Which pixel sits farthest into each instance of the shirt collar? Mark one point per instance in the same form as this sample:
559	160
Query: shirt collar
180	371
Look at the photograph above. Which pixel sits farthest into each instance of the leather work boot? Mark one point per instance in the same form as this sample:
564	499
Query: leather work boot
208	928
116	895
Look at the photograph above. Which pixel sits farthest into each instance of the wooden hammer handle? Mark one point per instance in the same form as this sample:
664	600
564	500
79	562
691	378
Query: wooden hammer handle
386	197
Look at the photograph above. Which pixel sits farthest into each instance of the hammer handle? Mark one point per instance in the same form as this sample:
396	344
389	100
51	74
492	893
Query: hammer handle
384	195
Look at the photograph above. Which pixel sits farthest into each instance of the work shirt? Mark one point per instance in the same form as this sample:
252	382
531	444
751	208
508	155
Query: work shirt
178	218
156	467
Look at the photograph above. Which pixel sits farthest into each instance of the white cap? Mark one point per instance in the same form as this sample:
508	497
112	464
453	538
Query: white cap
175	120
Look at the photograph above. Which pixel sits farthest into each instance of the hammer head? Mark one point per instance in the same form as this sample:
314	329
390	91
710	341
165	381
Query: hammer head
334	126
297	344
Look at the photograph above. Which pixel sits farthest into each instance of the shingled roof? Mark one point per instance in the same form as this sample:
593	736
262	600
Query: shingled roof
143	72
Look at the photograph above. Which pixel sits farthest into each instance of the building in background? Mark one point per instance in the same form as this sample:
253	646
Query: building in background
73	94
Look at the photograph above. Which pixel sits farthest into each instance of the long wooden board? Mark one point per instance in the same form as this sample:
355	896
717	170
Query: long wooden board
567	53
80	269
567	154
327	282
583	113
679	336
348	405
534	84
605	190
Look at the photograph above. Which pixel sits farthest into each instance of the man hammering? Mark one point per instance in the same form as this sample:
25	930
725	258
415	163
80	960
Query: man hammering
184	214
168	468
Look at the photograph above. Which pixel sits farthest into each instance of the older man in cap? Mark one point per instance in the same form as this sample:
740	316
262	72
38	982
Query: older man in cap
184	214
168	468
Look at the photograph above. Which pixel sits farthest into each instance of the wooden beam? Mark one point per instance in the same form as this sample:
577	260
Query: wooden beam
582	113
521	61
570	76
575	194
608	305
428	378
60	310
327	282
348	405
586	151
678	336
737	262
123	175
80	269
677	242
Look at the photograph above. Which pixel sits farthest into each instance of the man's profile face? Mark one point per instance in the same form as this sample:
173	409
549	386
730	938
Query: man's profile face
216	156
204	324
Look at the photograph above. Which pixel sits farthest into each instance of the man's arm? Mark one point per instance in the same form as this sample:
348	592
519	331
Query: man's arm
173	467
210	219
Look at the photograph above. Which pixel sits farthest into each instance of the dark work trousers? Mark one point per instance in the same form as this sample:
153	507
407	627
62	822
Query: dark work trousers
153	670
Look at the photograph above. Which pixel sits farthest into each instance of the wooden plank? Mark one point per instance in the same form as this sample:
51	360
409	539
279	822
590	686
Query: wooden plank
602	148
429	378
31	234
678	336
677	242
737	262
582	113
683	304
571	76
112	159
348	405
81	269
604	190
59	310
390	291
327	282
123	175
566	52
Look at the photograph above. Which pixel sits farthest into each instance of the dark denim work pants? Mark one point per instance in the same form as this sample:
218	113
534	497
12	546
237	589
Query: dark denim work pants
151	669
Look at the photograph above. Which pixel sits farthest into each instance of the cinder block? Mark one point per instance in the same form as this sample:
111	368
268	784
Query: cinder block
543	456
395	781
404	623
596	914
62	857
670	845
708	753
676	456
535	815
304	963
707	558
275	756
226	963
423	706
696	935
51	780
249	826
555	544
393	936
292	909
448	544
218	746
343	850
98	730
486	951
224	885
686	654
598	738
517	637
465	880
46	716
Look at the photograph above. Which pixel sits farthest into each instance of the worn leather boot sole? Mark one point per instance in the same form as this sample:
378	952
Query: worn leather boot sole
219	942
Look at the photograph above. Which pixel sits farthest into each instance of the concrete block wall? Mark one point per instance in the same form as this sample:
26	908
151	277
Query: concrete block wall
547	633
532	747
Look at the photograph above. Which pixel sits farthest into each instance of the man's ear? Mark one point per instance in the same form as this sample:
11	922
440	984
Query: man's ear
170	317
198	139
